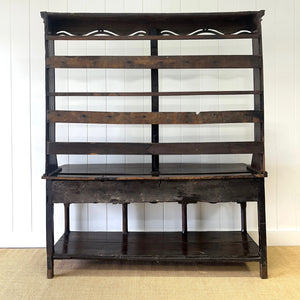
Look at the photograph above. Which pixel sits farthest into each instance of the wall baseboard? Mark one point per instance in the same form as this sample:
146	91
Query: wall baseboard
280	237
22	240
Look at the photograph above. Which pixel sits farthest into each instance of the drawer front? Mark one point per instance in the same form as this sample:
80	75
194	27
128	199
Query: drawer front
231	190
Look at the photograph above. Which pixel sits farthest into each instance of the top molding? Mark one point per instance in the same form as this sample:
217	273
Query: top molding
125	24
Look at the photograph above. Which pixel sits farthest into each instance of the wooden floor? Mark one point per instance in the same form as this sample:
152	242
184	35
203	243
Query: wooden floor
23	276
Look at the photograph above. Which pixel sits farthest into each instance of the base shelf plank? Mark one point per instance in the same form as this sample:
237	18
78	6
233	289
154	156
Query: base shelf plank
211	246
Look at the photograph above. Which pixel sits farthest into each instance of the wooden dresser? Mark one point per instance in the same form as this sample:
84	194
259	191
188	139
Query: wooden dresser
154	182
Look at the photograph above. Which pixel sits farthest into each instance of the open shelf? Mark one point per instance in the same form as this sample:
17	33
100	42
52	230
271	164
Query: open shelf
210	246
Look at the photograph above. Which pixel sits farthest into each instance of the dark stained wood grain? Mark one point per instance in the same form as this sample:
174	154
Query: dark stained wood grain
154	178
51	160
143	183
184	219
169	171
211	117
155	62
144	169
154	103
258	160
125	218
243	216
155	149
262	232
126	23
153	37
49	229
67	218
145	94
139	191
159	246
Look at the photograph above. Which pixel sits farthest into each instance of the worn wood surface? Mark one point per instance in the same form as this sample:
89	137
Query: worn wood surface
155	149
154	37
154	103
184	218
210	117
79	191
169	171
125	218
126	23
243	216
145	169
49	229
145	94
159	246
142	183
51	160
154	177
155	62
67	218
258	160
262	232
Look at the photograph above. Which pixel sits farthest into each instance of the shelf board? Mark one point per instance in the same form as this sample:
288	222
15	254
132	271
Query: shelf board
145	169
146	94
210	246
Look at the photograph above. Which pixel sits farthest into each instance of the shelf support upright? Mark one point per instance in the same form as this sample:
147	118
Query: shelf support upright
243	217
154	103
51	160
258	161
49	230
125	218
67	218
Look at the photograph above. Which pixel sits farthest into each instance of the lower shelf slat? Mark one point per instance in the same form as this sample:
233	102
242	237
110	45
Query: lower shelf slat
211	246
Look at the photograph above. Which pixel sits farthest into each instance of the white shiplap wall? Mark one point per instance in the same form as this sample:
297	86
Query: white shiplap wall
22	210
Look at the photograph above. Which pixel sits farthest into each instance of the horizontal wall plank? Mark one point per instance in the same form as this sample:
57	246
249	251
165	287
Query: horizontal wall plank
145	94
244	116
155	62
155	37
155	149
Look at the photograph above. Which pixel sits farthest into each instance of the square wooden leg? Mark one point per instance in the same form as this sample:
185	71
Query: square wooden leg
49	231
50	270
262	232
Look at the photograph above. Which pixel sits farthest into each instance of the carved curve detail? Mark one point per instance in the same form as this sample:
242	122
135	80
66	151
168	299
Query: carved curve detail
105	32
